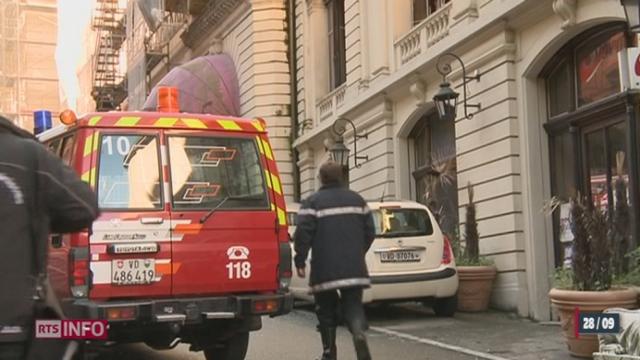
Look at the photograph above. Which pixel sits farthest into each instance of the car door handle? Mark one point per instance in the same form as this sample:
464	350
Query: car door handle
56	241
151	220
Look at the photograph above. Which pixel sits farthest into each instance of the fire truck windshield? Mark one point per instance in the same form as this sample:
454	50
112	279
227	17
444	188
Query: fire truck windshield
207	170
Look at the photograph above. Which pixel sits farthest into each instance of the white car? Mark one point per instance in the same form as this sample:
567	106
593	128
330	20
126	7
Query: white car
410	258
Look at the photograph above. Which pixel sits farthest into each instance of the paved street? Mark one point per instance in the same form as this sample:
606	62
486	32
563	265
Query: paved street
408	332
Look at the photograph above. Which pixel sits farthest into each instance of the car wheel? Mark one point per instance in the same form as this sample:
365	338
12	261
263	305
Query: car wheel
234	348
445	307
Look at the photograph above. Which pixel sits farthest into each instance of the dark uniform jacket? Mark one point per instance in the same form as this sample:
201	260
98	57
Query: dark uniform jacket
337	226
38	194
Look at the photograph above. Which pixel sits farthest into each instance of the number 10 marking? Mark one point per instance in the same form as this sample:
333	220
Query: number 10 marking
239	270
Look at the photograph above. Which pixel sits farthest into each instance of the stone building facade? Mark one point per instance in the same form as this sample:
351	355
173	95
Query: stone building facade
542	97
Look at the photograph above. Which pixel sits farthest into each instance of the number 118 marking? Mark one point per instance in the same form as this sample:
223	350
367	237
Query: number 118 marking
239	270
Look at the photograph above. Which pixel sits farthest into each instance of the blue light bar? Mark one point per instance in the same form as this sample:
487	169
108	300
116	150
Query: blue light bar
41	121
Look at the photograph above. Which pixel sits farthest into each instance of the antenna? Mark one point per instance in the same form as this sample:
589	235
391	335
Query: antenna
383	190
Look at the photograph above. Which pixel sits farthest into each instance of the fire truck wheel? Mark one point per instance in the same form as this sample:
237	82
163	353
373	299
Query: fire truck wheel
234	348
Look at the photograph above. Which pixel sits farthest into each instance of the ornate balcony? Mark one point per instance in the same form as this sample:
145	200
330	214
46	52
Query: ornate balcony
328	105
424	35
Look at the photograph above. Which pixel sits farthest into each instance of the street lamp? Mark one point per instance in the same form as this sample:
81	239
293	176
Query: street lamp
339	152
446	99
632	12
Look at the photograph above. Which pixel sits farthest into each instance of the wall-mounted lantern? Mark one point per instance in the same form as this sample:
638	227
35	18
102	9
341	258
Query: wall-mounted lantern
632	12
339	152
446	99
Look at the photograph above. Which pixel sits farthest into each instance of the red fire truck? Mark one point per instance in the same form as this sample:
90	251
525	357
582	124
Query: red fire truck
192	242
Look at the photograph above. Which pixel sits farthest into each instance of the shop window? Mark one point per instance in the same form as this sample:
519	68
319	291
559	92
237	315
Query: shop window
586	70
434	173
337	43
597	68
587	144
424	8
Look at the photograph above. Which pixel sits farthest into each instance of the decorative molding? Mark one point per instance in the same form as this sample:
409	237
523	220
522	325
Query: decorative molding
216	46
566	9
315	5
418	89
214	13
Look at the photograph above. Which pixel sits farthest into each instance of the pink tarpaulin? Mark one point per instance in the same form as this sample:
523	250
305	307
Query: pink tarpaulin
207	85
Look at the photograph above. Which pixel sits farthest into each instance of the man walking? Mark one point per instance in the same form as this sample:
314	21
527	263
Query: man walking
336	224
38	194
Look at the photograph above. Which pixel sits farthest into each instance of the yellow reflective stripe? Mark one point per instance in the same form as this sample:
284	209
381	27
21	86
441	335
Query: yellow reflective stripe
258	125
194	123
89	176
282	216
267	149
229	125
259	141
165	122
273	207
276	184
267	176
128	121
94	120
90	144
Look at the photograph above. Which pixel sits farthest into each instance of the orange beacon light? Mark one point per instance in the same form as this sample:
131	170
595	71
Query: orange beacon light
168	99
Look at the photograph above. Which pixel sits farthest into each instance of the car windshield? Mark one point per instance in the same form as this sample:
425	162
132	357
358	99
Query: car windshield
396	222
208	170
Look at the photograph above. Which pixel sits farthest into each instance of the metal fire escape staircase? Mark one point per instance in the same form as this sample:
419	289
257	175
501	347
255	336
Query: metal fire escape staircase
109	82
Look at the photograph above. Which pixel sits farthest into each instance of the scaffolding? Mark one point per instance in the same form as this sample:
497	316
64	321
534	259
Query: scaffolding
9	55
175	18
109	81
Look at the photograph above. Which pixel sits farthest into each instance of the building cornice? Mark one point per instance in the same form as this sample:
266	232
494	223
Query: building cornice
214	14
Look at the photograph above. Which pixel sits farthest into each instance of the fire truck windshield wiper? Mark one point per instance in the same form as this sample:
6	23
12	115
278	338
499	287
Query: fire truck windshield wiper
230	197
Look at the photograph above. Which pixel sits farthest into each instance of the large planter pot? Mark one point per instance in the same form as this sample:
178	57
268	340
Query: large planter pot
474	289
566	302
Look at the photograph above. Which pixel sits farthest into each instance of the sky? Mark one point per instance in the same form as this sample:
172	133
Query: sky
73	19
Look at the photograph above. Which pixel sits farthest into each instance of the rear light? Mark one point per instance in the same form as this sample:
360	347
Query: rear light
121	313
284	267
265	306
447	253
79	271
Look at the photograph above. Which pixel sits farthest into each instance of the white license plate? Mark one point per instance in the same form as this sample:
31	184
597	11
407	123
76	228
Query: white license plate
133	271
399	256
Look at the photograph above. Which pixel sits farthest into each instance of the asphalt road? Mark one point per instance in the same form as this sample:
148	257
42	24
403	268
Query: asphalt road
294	337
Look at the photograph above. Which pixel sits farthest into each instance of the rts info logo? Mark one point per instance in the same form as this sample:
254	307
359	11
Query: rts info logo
72	329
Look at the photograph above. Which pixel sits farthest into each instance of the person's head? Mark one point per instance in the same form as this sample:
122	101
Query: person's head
330	173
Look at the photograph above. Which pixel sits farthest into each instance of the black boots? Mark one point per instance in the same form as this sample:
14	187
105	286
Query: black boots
328	335
362	348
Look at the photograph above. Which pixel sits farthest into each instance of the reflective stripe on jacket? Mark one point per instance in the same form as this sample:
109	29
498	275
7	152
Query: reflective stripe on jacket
337	226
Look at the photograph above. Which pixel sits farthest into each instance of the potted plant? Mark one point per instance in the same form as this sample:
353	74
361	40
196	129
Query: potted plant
587	284
476	273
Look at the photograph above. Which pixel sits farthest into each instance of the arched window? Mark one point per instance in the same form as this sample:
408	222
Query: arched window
434	168
587	121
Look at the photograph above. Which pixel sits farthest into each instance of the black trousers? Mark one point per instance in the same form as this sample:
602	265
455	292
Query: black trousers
331	307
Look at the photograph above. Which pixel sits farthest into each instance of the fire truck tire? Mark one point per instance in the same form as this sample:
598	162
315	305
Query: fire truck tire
234	348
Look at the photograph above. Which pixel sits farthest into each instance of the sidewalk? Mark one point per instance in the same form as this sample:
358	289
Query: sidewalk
490	335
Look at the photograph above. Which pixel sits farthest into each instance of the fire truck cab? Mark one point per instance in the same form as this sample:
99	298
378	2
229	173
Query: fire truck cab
191	245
